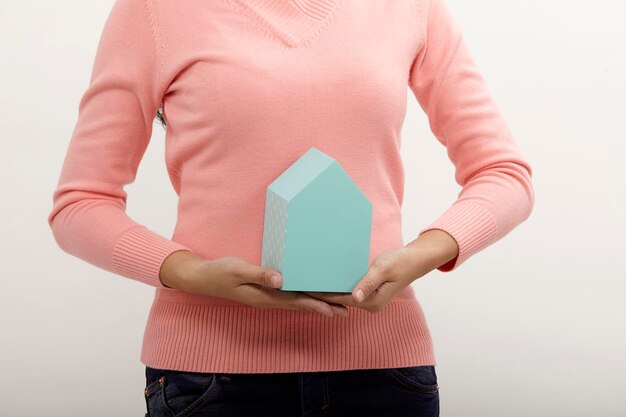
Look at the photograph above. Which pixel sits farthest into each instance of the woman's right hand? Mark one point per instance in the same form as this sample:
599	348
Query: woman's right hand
234	278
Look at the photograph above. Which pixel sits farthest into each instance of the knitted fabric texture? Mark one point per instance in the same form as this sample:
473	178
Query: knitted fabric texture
248	86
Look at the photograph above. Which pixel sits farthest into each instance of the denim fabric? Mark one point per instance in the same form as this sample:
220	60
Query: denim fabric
390	392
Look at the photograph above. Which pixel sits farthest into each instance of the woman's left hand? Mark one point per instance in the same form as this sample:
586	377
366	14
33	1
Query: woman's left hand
391	272
395	269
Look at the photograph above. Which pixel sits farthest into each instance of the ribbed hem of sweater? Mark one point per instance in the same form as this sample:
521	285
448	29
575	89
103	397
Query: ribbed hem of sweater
189	332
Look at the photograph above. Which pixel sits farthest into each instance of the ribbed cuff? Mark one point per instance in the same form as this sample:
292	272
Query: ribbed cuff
139	254
471	225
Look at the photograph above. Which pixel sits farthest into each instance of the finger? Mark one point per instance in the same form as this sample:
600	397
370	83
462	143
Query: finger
310	303
337	304
333	297
266	277
368	285
285	299
339	309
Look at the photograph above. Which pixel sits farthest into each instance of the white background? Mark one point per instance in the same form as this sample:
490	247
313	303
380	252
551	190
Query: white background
534	325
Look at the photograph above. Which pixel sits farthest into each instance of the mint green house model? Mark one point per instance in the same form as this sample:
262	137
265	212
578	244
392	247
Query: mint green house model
317	226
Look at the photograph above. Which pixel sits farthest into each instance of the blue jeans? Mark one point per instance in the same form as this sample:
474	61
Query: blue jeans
390	392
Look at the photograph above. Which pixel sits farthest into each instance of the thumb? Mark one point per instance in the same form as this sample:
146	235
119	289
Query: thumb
367	285
269	278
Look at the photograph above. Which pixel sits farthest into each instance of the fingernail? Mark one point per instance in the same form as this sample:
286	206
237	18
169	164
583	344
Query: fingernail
275	282
360	295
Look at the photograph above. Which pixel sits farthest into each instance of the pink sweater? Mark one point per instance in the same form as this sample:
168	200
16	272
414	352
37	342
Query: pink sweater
247	87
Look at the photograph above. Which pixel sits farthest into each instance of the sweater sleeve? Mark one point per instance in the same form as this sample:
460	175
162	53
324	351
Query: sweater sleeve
113	129
497	192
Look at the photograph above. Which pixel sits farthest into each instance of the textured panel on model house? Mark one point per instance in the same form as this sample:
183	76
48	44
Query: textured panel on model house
275	230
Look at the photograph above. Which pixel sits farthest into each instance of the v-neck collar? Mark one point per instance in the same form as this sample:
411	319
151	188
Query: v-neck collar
293	22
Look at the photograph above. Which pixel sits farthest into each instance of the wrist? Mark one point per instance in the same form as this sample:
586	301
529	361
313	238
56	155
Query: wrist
177	269
434	247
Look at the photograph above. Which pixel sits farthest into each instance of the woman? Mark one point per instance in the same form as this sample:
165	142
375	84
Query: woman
245	87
